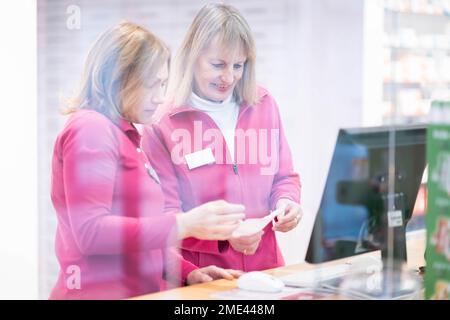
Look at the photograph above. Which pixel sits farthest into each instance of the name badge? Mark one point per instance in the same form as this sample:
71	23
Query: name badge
199	158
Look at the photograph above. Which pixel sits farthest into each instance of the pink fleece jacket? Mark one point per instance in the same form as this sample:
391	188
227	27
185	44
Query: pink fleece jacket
260	175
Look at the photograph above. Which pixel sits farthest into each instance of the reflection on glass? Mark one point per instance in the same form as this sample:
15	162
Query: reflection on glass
354	215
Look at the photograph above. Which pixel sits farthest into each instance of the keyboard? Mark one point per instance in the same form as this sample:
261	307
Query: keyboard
316	277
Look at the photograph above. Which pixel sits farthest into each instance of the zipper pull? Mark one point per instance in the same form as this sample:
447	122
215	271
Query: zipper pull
235	168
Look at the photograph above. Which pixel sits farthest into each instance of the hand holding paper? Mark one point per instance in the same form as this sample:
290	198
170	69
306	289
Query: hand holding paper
215	220
291	218
246	244
252	226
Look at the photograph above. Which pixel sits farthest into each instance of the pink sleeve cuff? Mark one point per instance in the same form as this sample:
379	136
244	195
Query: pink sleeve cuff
186	269
274	204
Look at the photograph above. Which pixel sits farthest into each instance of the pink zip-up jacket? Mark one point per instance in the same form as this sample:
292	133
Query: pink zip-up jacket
260	175
112	238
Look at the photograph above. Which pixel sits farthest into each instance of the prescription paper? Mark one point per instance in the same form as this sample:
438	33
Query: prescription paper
252	226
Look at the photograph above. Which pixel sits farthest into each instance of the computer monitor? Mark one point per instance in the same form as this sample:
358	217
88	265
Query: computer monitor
354	216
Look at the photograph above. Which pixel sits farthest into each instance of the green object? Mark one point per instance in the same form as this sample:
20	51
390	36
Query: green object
437	275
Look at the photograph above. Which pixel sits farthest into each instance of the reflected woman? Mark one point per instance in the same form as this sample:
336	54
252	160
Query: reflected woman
113	240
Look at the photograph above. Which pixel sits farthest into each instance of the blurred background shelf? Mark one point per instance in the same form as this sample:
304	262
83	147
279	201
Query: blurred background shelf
416	57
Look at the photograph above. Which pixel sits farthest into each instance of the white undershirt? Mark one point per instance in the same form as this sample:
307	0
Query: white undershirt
139	127
223	113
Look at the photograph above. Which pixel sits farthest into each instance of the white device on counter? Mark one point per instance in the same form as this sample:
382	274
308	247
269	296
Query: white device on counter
259	281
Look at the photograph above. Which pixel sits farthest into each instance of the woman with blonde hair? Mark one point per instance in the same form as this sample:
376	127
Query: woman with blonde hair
113	239
221	137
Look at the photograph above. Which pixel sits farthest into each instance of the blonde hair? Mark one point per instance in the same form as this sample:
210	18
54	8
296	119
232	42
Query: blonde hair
121	61
212	20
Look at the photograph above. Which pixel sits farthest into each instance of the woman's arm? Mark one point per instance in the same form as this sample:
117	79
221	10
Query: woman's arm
286	182
90	163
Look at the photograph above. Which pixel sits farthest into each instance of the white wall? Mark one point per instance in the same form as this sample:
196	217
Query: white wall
325	95
373	62
18	160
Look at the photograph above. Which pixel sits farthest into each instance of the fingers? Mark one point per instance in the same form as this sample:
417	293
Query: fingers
220	227
287	226
198	276
230	218
251	250
235	273
289	220
249	240
288	217
217	273
293	213
248	244
222	232
287	204
203	277
211	273
223	207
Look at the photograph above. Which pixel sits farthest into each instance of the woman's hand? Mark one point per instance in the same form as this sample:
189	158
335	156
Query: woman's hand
211	273
293	213
214	220
246	244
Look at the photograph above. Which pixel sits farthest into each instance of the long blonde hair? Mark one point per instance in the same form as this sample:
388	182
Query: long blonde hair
121	61
211	20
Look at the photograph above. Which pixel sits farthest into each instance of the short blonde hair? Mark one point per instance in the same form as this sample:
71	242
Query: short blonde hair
211	20
119	64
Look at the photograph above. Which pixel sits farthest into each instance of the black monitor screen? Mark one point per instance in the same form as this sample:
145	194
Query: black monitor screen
353	212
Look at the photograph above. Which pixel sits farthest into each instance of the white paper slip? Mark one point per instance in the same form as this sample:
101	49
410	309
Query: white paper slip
199	158
252	226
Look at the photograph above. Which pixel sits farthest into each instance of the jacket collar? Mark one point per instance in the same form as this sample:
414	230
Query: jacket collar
187	108
130	130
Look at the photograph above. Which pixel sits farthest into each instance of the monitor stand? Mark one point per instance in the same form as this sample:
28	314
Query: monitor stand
384	284
391	280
